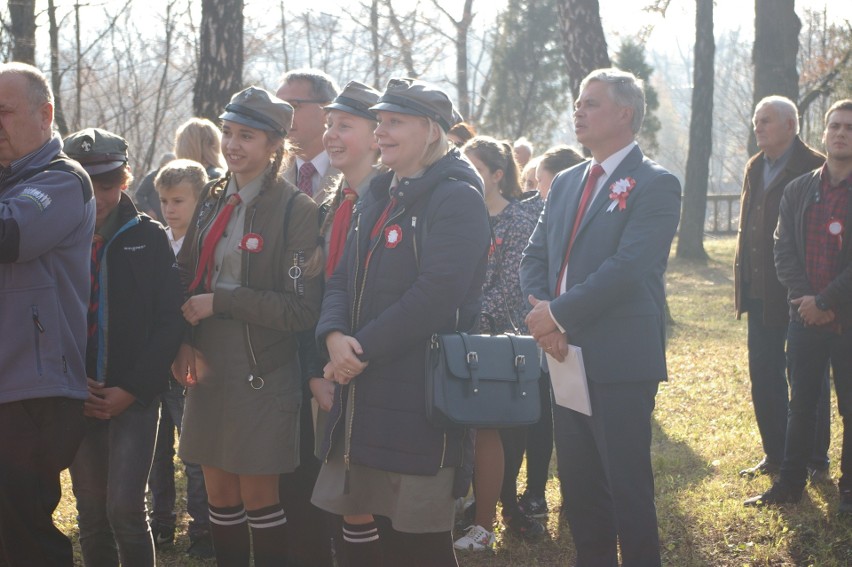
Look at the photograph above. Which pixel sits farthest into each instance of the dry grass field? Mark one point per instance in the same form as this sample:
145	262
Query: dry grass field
704	432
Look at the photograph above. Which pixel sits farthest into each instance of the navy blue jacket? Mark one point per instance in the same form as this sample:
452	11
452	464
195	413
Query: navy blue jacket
406	292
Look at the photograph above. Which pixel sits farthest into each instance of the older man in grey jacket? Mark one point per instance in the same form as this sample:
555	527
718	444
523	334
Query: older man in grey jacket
47	216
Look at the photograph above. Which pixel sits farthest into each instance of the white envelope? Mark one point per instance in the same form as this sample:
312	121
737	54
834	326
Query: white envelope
570	385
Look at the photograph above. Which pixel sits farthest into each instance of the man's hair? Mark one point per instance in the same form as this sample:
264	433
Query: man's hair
323	86
523	143
37	85
178	171
626	90
785	108
844	104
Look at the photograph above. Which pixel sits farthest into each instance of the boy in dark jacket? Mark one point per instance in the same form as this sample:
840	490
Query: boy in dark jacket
134	329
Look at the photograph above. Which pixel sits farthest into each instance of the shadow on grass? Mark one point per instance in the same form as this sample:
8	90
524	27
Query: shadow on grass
677	469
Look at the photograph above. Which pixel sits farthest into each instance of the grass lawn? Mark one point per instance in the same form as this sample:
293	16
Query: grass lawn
704	432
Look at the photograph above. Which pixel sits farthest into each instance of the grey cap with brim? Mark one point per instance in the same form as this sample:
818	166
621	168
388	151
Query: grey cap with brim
356	98
258	108
418	98
97	150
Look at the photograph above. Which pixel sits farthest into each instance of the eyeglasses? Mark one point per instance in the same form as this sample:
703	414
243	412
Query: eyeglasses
296	102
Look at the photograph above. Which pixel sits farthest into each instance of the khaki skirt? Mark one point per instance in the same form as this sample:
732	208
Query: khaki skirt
414	503
227	423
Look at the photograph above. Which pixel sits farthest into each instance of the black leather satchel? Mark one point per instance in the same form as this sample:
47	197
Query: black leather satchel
482	381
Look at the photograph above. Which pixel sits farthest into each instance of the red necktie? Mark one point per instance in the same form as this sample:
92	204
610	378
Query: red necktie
592	180
208	248
339	230
306	174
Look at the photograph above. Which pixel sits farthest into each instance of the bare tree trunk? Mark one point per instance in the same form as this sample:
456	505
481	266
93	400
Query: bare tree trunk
405	45
220	60
582	39
78	82
776	46
163	92
22	13
690	242
284	50
461	26
374	40
55	75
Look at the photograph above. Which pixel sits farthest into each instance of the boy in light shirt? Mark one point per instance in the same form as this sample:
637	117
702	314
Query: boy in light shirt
178	184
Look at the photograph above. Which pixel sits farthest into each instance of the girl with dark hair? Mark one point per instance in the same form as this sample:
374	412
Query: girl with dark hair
251	266
503	301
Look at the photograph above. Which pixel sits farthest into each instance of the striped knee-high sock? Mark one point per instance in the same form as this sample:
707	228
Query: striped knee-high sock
229	530
269	535
361	542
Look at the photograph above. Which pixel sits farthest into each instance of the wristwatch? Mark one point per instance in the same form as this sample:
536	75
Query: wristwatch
821	304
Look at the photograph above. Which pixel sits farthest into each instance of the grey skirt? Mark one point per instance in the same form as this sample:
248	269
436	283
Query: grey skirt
414	503
227	423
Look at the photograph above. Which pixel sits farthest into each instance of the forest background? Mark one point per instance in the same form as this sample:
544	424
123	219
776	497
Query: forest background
140	68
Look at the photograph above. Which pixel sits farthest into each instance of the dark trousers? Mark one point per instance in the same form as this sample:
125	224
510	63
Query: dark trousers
39	439
310	530
540	442
810	351
605	472
161	482
767	364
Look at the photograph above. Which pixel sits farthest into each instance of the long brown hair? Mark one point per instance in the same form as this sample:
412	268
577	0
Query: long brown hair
498	155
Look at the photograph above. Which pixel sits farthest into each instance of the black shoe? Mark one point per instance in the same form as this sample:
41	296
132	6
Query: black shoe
763	467
524	527
777	494
845	507
532	505
163	534
201	545
819	477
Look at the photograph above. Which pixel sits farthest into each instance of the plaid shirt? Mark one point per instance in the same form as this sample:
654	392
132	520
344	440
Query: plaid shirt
822	249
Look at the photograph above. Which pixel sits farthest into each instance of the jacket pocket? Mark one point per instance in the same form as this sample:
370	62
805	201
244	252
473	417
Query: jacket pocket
31	326
38	331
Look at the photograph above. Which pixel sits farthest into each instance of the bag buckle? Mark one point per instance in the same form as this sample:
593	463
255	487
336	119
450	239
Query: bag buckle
472	358
520	361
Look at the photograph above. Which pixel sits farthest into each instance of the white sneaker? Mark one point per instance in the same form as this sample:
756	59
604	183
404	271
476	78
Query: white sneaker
477	538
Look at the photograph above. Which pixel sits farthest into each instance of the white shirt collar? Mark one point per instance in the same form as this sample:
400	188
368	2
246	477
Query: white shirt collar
321	162
611	163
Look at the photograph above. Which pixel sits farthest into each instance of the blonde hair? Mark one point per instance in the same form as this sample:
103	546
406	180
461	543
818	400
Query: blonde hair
437	149
180	170
200	140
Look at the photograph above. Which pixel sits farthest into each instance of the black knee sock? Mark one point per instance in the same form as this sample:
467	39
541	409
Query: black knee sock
229	530
434	549
361	545
269	535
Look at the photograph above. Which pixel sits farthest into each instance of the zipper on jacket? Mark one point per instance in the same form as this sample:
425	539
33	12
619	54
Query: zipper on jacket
414	241
347	446
254	369
367	267
444	450
38	330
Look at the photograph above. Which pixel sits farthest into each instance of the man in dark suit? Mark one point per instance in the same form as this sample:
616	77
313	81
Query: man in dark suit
782	158
594	272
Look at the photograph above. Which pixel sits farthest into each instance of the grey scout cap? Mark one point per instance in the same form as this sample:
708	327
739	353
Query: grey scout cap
97	150
411	96
258	108
356	98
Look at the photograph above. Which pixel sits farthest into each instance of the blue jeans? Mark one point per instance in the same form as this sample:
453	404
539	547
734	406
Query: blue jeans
109	475
162	479
767	365
810	351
